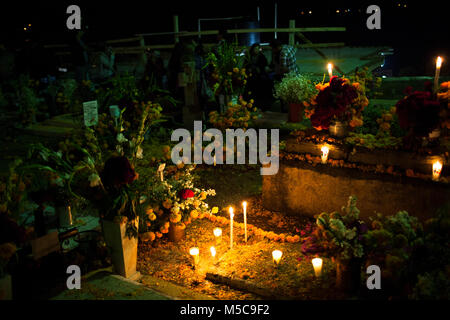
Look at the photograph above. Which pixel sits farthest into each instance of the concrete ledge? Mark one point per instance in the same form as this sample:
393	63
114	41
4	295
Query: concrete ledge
302	189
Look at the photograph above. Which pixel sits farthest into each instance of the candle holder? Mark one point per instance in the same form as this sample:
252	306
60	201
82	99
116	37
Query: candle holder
276	255
218	235
194	252
325	150
317	265
437	168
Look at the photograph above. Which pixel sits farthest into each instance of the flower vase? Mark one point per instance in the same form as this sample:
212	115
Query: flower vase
338	129
295	112
5	287
64	215
123	249
176	232
348	275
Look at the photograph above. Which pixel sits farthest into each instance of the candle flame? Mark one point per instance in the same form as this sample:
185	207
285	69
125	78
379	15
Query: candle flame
213	251
231	212
244	204
325	150
194	251
217	232
438	62
317	265
330	69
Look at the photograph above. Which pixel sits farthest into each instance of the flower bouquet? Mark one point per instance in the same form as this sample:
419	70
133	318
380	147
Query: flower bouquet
338	100
173	203
418	113
340	235
297	91
227	77
237	115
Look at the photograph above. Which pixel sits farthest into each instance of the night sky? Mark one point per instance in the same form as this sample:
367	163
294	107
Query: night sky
416	27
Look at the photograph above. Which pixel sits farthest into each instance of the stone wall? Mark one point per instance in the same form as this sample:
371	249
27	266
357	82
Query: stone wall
301	189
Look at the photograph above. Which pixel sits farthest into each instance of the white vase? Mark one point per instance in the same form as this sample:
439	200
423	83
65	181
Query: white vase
123	249
6	287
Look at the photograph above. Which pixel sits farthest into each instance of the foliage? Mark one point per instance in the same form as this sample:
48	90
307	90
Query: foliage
338	100
371	141
236	115
340	234
295	88
365	78
227	77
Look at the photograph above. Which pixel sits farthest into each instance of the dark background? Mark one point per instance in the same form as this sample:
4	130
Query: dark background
417	32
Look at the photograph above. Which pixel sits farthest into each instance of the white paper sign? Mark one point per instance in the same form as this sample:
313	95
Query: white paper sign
90	109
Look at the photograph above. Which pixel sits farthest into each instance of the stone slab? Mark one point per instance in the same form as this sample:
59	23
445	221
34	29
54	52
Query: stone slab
301	189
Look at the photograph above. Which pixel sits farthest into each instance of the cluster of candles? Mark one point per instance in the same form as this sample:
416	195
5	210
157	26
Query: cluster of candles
276	254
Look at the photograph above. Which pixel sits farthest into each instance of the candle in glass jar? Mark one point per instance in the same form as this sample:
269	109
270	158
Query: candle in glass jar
317	265
218	235
276	255
437	168
194	252
325	150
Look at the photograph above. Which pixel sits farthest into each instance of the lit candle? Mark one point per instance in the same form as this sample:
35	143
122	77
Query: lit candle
317	265
194	253
330	70
214	160
231	227
437	168
213	252
325	150
244	204
218	235
276	255
436	75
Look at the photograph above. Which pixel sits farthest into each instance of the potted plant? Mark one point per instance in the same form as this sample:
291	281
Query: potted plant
338	106
296	90
340	236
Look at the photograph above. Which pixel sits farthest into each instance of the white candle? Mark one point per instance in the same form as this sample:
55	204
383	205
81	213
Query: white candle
330	70
213	252
244	204
317	265
436	75
218	235
276	255
325	150
194	252
437	168
231	227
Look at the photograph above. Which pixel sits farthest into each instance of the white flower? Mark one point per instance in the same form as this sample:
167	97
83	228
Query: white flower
121	138
94	180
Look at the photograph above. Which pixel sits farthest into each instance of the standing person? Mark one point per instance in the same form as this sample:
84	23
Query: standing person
174	68
258	83
107	63
283	59
204	93
80	57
